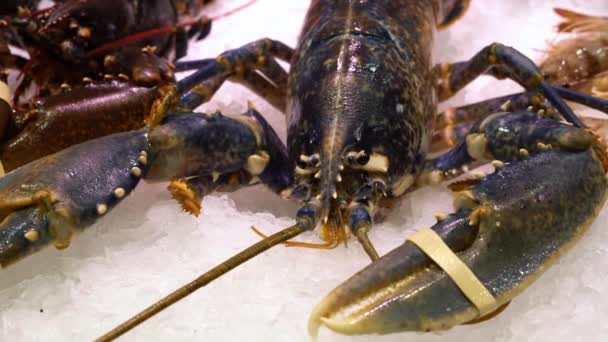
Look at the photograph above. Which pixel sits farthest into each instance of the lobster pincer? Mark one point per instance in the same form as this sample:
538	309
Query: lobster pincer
66	192
508	228
54	197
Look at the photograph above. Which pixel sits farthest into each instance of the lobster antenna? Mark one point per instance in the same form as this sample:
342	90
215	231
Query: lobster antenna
135	37
162	30
205	279
368	247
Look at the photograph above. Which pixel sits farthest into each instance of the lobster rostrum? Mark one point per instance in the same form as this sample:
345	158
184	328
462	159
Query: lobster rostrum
360	102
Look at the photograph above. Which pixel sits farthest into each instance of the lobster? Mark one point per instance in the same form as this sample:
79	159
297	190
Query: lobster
76	40
11	6
80	111
533	151
580	62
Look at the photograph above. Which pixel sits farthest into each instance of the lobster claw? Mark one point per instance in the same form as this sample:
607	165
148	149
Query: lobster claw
50	199
508	229
363	304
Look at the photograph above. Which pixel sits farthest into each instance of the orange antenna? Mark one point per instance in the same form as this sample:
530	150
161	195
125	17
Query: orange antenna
332	242
331	233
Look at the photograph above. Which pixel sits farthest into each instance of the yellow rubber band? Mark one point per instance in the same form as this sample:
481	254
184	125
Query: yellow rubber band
433	246
5	92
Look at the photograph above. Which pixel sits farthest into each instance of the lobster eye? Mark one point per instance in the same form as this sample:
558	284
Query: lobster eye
362	158
301	164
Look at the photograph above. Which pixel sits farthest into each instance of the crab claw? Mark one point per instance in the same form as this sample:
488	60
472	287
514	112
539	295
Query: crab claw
508	228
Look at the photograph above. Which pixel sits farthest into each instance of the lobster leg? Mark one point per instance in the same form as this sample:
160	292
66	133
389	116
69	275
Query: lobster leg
508	228
274	92
501	62
242	65
587	100
272	89
519	101
200	30
193	65
189	192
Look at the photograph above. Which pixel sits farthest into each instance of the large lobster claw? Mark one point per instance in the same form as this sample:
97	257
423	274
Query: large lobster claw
50	199
508	229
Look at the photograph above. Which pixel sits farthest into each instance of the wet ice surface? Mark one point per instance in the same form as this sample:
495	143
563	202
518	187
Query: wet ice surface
147	247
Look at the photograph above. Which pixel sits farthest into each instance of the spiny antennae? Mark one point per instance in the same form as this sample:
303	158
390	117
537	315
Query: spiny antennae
204	279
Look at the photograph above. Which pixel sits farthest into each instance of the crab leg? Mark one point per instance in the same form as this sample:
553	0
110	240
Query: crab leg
508	228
